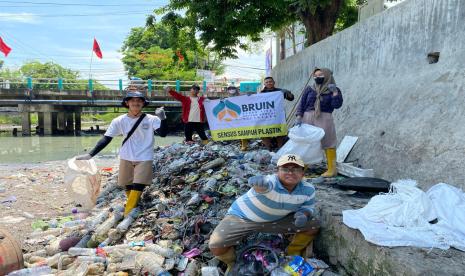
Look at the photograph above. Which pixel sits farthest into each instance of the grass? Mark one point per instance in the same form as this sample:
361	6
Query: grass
101	117
16	119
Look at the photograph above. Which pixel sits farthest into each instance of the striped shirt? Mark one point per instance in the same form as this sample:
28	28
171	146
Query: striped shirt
274	204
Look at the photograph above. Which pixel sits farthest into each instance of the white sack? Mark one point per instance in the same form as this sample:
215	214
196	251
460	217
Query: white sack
82	181
305	141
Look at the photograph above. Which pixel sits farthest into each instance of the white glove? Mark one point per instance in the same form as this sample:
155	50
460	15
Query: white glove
84	157
160	113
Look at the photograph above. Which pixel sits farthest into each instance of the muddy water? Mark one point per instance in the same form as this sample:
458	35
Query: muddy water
14	150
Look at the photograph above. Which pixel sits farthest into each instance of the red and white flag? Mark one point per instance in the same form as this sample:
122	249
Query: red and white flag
4	48
96	49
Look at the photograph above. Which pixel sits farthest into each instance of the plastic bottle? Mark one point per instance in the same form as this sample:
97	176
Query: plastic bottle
105	242
210	271
98	219
162	251
111	249
75	251
34	271
101	233
38	253
91	259
136	243
124	225
83	242
279	272
74	223
210	185
53	223
146	261
191	269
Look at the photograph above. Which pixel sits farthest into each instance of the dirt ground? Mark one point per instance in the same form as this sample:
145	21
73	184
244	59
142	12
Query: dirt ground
29	192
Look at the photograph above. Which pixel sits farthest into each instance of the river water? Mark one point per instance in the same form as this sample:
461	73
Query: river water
34	149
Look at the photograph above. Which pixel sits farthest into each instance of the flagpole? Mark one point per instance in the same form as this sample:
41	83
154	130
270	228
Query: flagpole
91	58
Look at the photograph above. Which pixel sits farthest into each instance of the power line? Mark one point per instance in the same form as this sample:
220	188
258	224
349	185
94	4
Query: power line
79	15
72	4
239	66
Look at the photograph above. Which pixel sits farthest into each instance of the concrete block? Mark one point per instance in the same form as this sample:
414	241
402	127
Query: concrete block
26	123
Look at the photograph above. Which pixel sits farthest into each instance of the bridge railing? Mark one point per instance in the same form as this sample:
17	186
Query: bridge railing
150	87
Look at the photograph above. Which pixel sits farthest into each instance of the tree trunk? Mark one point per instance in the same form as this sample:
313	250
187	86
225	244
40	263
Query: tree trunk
294	47
321	24
282	44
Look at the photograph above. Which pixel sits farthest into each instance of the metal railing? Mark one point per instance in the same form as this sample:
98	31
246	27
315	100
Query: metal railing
150	87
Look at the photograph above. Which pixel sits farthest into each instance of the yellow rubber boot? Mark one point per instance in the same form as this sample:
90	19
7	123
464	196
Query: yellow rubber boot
133	200
331	160
299	243
229	258
244	144
204	142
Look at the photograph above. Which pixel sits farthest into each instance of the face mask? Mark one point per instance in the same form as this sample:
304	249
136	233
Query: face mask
319	80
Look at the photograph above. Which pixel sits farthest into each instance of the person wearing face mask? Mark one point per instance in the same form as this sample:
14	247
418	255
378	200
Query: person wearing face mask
316	107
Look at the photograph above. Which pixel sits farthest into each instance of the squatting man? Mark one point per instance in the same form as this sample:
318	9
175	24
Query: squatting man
280	203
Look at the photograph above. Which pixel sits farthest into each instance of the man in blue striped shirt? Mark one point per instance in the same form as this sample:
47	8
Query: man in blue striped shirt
280	203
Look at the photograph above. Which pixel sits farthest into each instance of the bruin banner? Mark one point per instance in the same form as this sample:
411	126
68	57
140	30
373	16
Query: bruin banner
244	117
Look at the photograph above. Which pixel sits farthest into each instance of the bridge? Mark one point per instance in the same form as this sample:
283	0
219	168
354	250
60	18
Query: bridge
59	103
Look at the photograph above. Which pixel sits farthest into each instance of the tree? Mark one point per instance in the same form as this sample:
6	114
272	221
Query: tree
166	50
223	23
46	76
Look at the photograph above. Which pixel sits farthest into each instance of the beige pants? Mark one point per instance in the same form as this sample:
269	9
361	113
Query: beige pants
232	229
131	172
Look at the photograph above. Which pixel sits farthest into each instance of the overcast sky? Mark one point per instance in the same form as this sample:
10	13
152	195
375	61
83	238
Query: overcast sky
63	32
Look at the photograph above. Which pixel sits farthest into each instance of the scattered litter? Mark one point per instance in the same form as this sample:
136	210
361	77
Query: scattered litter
192	188
11	220
8	200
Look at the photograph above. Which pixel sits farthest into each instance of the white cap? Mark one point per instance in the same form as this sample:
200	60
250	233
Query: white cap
290	159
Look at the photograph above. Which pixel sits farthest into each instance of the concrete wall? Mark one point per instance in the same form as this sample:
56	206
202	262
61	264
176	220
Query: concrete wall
409	114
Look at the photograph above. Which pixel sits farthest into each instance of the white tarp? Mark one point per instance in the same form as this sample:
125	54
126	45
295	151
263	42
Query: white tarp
403	217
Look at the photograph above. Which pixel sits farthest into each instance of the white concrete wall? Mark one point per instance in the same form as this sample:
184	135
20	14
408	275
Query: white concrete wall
409	114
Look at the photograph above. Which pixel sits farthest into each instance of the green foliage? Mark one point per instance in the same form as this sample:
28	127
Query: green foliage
166	50
348	15
45	76
16	119
224	23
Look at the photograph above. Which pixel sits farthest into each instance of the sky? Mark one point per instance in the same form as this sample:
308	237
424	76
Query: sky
63	32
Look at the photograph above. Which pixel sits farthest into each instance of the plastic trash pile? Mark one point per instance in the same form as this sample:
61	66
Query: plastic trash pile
192	189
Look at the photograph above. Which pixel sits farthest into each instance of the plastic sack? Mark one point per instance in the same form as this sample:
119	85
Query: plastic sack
406	205
82	181
305	141
401	217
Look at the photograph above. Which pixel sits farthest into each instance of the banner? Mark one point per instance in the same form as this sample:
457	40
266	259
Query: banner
244	117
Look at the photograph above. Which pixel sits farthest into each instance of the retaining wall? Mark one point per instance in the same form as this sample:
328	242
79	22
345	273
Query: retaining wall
409	114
